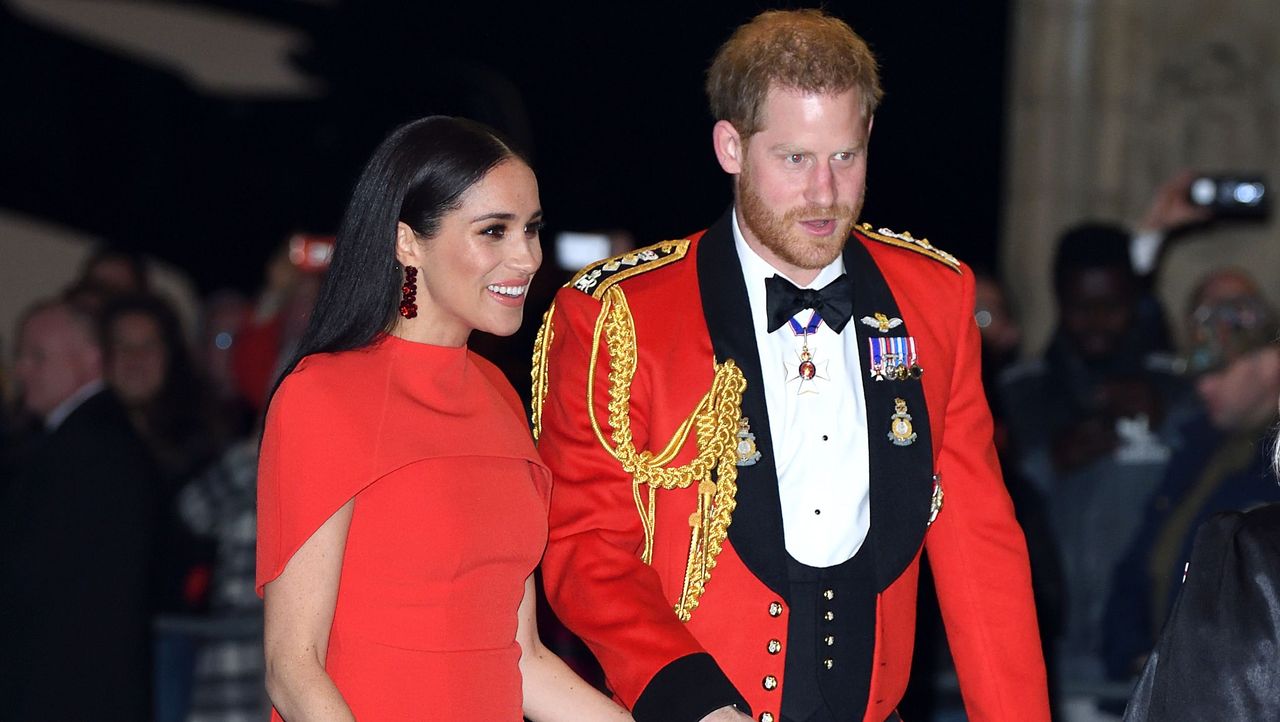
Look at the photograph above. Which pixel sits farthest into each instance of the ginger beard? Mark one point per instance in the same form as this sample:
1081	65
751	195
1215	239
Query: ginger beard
781	233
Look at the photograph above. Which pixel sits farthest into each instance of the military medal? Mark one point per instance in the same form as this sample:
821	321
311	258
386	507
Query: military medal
748	454
806	370
894	359
901	432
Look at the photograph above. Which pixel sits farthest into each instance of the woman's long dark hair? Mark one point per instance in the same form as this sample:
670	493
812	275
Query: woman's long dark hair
416	176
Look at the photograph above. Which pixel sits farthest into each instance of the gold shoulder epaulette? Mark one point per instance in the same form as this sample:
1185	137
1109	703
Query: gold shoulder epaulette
905	240
599	276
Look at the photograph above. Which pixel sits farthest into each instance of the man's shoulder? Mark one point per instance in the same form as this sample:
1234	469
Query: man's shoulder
908	246
598	277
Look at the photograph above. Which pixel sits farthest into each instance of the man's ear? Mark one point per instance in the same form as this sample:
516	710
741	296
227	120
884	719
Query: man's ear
407	245
730	150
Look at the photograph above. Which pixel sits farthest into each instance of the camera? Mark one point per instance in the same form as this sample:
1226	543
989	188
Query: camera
1236	195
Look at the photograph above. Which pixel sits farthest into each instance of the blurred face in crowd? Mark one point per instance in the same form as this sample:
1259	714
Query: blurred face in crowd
57	356
1097	307
800	178
1242	395
474	273
136	358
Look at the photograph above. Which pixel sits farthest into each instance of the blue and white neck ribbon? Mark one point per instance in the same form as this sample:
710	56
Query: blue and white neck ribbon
808	329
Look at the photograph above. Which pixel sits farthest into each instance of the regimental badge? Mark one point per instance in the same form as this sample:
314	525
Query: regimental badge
935	502
901	432
881	322
748	454
893	359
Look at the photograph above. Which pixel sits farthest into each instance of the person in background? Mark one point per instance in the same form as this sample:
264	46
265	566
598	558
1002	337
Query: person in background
1222	463
76	535
401	504
220	504
269	335
149	366
1091	426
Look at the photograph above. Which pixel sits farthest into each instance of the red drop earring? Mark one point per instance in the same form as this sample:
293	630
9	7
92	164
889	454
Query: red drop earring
409	293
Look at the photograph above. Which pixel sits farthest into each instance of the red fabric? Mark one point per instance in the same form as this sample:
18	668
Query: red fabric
449	520
622	608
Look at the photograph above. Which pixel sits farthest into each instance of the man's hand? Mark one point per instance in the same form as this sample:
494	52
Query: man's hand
726	714
1171	208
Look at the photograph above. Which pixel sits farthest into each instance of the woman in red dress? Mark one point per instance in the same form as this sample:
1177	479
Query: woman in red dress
401	504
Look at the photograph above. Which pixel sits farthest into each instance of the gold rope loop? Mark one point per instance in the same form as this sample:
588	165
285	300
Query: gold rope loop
715	418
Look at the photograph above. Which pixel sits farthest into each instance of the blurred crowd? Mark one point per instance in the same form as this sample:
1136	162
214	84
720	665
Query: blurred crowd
130	443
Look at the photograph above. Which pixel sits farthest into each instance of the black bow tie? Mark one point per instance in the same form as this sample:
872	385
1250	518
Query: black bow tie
833	302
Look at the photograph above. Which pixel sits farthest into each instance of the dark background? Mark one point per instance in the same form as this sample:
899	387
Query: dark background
608	100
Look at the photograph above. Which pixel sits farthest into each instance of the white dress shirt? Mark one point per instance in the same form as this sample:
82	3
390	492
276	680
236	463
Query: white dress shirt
818	426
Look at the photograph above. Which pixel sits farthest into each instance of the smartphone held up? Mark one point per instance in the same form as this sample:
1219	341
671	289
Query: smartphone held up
1231	195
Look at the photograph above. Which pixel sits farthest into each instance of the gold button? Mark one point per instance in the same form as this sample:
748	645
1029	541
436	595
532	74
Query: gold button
770	682
828	663
829	594
766	717
829	616
830	640
775	609
774	646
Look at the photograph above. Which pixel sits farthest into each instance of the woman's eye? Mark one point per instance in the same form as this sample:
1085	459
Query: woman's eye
534	228
496	231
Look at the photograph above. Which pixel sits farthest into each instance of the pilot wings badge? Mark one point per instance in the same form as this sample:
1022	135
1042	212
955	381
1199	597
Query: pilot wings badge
881	322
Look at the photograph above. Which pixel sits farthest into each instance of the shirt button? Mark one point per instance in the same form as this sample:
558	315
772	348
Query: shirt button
774	646
824	437
830	640
766	717
775	609
829	594
828	663
770	683
829	616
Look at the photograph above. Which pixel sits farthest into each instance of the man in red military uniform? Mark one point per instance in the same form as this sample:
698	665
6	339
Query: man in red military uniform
756	431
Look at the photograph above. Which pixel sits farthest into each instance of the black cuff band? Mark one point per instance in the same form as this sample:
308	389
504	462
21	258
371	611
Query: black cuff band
687	690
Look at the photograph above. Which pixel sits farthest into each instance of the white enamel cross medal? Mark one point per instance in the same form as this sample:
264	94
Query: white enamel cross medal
803	371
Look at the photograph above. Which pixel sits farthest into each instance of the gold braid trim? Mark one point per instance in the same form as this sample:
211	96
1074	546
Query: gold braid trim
714	468
541	344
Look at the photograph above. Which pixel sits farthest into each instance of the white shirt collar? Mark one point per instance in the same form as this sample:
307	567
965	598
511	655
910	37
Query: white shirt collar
72	402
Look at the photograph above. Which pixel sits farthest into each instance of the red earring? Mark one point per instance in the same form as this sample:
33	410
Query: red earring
409	293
